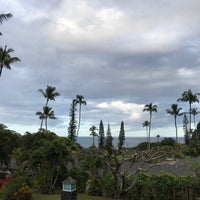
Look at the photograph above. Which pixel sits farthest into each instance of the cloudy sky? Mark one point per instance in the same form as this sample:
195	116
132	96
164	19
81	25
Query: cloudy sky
120	55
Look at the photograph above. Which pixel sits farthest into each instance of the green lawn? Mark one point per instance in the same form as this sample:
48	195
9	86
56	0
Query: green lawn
58	197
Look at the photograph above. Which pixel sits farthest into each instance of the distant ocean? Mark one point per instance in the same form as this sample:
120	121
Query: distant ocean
129	141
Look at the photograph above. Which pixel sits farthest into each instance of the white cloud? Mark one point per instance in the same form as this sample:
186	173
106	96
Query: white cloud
134	111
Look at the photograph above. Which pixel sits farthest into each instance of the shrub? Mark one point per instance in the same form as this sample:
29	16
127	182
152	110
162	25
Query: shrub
24	193
10	188
168	142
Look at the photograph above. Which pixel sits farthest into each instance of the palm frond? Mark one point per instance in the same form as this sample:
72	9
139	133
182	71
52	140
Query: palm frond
5	17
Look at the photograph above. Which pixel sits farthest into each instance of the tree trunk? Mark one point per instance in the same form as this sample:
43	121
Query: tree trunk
176	129
1	68
149	131
79	122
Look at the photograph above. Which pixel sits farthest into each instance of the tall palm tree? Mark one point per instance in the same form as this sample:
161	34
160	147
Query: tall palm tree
190	97
4	17
150	108
49	94
5	59
80	101
93	133
146	124
48	114
175	111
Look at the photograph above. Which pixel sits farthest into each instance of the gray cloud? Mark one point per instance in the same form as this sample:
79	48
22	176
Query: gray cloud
133	52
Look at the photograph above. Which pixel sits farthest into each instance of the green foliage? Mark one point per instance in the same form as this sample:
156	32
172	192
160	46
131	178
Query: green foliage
24	193
109	138
80	176
73	122
45	154
101	135
164	186
94	188
12	188
142	146
121	138
8	142
191	152
108	185
168	142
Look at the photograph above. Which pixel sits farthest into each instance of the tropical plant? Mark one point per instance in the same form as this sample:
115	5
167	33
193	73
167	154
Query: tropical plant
46	155
93	133
41	117
175	111
146	124
158	138
5	59
150	108
120	165
190	97
4	17
194	112
80	101
48	114
49	94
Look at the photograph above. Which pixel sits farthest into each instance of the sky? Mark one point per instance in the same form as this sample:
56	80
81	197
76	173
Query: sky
119	55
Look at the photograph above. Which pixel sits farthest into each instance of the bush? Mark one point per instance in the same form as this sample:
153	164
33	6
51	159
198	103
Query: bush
24	193
168	142
11	188
108	185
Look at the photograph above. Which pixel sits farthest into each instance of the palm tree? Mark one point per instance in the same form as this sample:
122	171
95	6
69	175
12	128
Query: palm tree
194	112
175	111
5	59
80	101
41	117
158	138
93	133
48	114
146	124
4	17
188	96
49	94
150	108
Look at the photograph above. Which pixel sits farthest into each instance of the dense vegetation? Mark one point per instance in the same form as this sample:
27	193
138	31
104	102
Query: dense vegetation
44	160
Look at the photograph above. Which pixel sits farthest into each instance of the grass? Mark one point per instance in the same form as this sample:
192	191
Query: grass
37	196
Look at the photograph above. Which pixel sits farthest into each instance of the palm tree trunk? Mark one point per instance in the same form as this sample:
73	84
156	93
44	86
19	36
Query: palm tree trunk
190	116
46	124
41	124
176	129
79	122
1	68
149	131
93	141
